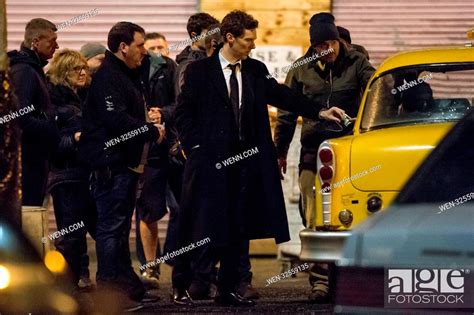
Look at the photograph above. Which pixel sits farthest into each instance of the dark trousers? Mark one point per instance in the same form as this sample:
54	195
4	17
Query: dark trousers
234	259
34	177
114	194
204	261
74	207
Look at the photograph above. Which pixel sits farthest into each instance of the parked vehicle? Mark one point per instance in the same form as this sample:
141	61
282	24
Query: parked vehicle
427	232
411	102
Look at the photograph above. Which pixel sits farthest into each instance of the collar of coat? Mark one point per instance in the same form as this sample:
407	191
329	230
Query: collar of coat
218	80
111	59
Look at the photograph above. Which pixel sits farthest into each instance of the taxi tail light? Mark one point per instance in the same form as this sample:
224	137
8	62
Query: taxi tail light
326	166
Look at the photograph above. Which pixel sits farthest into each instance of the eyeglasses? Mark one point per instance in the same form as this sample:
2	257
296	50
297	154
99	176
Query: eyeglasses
78	69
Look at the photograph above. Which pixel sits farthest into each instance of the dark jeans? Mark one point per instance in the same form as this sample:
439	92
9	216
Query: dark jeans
72	205
114	195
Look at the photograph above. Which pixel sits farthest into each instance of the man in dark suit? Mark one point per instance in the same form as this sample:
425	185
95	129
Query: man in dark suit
232	191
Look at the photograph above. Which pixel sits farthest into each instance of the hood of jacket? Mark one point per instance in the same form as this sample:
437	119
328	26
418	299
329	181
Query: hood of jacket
27	56
190	54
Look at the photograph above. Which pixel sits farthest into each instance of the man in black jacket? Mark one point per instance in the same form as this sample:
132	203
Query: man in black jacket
39	132
115	143
221	116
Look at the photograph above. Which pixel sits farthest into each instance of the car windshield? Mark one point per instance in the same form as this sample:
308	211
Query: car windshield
419	95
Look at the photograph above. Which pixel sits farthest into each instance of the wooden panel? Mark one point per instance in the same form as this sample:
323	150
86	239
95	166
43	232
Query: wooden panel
281	22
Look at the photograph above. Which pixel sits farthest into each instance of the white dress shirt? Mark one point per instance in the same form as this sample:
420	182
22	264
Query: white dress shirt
228	72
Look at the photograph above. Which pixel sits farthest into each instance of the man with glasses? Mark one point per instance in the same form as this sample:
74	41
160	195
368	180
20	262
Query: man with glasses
337	77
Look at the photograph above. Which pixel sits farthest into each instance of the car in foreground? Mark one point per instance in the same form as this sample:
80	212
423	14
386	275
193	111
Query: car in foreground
410	103
425	239
29	285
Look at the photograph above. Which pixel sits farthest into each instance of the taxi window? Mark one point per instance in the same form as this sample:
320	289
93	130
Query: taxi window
419	95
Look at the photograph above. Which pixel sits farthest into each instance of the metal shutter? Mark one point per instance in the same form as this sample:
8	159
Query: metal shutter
385	27
165	16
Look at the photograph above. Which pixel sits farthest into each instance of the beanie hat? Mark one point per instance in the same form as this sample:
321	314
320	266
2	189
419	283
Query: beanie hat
90	50
344	34
322	28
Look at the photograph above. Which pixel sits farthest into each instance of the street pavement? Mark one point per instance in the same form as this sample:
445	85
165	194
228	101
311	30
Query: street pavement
285	296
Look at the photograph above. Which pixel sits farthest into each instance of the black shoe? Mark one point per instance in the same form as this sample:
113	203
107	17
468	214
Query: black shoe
199	291
149	298
181	298
247	291
129	306
150	278
233	299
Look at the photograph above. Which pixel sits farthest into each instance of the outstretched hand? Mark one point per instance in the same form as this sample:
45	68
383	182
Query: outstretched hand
332	114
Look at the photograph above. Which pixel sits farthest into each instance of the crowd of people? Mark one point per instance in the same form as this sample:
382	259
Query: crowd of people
172	122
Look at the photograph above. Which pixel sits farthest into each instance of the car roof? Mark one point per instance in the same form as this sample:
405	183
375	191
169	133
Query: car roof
427	56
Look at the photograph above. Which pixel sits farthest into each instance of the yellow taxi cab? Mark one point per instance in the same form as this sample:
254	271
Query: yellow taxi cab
410	103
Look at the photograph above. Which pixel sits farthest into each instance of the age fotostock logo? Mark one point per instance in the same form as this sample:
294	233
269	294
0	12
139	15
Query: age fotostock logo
427	288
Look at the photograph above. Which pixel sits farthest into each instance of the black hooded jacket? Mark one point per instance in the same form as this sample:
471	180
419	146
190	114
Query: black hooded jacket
39	132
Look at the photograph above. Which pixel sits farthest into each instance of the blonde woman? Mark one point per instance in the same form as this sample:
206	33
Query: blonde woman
68	180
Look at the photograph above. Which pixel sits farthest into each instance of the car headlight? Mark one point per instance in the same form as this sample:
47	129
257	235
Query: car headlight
4	277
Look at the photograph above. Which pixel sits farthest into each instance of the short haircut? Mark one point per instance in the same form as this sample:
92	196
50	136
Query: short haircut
122	32
198	22
63	63
236	22
216	35
154	35
36	29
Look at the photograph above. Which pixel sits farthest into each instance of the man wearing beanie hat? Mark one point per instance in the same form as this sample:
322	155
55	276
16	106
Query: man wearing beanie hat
336	77
95	54
345	37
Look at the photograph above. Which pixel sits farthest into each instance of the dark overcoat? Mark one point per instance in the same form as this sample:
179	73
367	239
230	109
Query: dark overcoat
204	117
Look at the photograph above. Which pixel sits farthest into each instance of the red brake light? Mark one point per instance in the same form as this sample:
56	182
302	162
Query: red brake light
325	155
326	173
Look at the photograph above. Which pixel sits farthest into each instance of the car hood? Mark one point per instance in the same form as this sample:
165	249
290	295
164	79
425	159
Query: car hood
384	159
413	235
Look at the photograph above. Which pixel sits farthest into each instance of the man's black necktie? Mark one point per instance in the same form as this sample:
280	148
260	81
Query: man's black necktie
234	93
